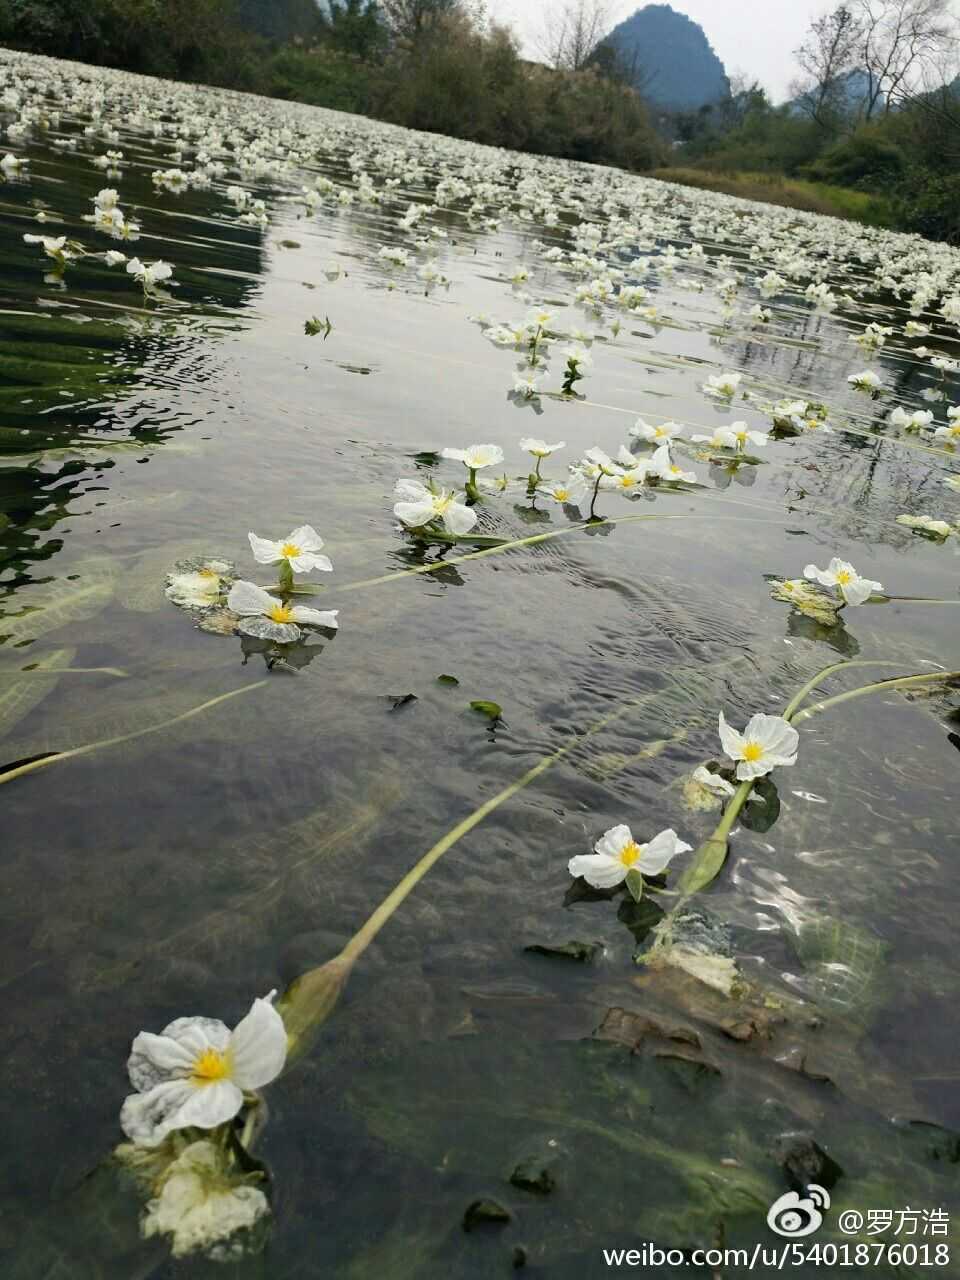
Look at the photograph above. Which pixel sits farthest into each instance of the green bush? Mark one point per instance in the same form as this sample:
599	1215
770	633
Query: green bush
866	161
929	204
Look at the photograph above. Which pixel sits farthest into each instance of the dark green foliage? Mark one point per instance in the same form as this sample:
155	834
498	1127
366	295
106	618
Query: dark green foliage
866	160
929	204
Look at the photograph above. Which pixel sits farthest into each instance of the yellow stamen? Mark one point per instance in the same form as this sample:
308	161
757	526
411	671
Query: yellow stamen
280	613
752	751
843	578
207	573
630	853
561	495
210	1066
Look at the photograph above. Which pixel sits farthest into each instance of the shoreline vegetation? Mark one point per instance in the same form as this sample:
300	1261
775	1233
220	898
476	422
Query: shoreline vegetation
792	193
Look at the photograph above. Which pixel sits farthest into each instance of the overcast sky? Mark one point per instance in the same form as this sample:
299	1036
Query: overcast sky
754	36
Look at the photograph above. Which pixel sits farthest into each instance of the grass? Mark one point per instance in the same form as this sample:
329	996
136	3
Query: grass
774	188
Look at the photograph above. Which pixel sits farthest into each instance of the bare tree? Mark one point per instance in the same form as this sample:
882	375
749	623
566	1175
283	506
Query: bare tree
827	56
572	31
902	42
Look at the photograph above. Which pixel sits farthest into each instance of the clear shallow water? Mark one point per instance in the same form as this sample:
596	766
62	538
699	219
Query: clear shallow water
186	871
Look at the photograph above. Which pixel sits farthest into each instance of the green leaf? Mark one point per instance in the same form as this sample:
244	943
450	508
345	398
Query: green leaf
763	808
635	884
491	709
58	604
447	680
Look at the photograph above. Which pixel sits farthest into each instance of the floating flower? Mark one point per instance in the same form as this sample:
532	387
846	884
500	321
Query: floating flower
617	854
540	448
951	434
916	421
842	575
114	258
664	469
569	492
476	456
722	385
193	1075
939	529
298	549
866	381
529	388
766	742
662	434
13	164
59	248
735	436
704	789
150	275
266	617
421	506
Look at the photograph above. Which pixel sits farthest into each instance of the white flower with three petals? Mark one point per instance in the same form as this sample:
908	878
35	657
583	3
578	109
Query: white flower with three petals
265	617
420	506
617	854
298	548
766	742
194	1074
841	575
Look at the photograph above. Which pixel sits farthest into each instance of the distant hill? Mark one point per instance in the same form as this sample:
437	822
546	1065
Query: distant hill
853	88
668	57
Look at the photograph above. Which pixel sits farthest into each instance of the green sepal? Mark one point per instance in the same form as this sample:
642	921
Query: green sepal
635	884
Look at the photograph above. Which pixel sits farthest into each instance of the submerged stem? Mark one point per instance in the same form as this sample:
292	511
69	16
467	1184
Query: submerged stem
32	765
879	686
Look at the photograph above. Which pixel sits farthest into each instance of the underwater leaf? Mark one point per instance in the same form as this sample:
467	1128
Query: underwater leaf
27	689
58	604
493	710
451	680
763	808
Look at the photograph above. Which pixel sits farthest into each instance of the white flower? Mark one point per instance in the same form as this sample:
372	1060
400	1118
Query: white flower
540	448
149	275
915	421
722	385
265	617
842	575
866	381
538	318
662	434
735	436
298	548
526	387
570	492
13	164
617	853
915	330
477	456
199	584
113	257
662	467
200	1203
766	742
950	434
193	1075
106	198
421	505
578	356
927	524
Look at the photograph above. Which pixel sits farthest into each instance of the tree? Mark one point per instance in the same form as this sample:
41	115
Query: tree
829	54
354	26
412	19
572	33
902	43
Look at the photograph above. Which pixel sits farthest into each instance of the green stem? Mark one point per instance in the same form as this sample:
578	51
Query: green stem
286	576
64	671
593	499
33	765
880	686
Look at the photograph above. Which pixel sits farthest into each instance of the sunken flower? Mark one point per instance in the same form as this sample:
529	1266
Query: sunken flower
420	506
766	742
823	606
194	1074
265	617
299	549
616	854
199	583
841	575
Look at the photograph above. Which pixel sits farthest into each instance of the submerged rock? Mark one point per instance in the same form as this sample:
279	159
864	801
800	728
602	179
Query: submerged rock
803	1162
486	1212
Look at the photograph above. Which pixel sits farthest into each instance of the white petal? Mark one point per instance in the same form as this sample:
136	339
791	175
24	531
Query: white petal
858	591
658	852
774	734
614	841
247	598
310	560
306	538
748	769
455	455
458	518
731	741
597	869
264	551
315	617
414	514
258	1046
147	1118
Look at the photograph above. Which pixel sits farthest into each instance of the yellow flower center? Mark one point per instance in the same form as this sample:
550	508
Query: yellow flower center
627	481
280	613
561	494
630	853
289	550
843	578
752	751
210	1066
207	573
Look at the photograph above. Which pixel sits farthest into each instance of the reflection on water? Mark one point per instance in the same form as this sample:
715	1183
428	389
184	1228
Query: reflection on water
501	1023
